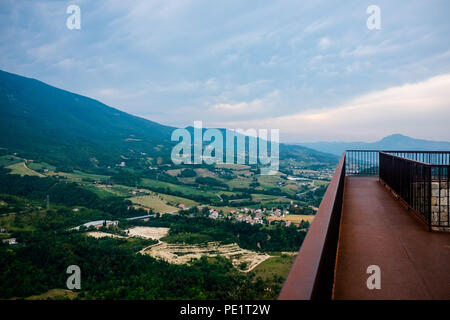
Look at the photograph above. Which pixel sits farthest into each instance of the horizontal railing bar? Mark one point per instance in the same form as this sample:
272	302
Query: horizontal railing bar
415	161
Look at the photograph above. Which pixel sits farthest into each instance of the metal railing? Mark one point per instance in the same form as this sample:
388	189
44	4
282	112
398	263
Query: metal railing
423	186
362	162
429	157
312	274
421	180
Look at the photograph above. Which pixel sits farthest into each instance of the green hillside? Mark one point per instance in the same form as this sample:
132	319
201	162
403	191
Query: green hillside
45	123
67	130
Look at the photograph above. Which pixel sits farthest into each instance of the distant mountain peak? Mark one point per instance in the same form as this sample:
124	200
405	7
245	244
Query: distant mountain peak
396	137
395	141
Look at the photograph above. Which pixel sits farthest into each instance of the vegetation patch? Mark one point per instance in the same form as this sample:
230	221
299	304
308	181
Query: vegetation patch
55	294
22	170
276	268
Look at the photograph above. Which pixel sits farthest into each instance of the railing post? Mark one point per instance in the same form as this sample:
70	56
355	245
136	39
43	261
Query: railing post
430	191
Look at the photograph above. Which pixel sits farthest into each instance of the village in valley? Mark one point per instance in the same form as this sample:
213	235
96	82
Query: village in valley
177	214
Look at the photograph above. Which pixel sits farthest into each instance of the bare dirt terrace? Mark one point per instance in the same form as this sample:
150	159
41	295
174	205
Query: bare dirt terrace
148	232
183	253
141	232
243	259
99	234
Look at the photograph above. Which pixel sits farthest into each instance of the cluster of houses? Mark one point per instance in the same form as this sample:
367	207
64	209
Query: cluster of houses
213	214
249	215
258	218
9	241
322	174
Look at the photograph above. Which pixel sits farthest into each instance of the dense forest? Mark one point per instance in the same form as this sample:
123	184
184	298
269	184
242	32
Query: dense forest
112	270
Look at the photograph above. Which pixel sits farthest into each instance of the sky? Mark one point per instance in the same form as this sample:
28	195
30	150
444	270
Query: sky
312	69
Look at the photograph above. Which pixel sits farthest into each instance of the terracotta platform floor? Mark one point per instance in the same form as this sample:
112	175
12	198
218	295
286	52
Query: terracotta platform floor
377	230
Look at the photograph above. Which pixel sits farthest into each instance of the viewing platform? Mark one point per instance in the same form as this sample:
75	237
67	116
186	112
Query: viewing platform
363	221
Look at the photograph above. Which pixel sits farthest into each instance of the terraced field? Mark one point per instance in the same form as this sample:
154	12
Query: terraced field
242	259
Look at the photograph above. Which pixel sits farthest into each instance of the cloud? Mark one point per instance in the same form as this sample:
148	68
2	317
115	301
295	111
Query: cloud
419	109
318	25
256	106
176	61
324	43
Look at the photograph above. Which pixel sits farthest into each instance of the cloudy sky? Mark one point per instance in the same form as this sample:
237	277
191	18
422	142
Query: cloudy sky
310	68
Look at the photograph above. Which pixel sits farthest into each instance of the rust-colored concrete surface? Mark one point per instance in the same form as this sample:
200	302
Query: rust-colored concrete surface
377	230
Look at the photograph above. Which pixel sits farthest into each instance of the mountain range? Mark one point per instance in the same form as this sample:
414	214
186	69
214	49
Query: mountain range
44	123
393	142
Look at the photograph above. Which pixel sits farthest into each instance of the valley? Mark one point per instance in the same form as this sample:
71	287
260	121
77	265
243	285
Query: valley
102	192
185	219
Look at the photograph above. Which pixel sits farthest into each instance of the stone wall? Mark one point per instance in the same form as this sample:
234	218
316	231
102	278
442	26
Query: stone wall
440	205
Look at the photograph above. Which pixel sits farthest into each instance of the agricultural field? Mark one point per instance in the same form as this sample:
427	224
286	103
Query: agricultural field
41	166
236	167
270	181
267	198
184	189
21	169
116	190
264	197
79	176
293	218
173	172
321	183
174	200
154	202
9	160
278	265
239	182
201	172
